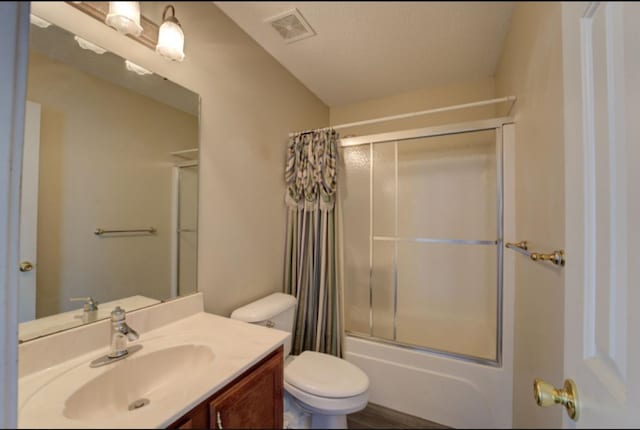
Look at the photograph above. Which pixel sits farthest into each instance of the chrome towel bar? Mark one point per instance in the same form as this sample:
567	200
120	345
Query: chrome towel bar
150	230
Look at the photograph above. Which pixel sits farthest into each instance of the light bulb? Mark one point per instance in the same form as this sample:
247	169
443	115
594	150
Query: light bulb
170	37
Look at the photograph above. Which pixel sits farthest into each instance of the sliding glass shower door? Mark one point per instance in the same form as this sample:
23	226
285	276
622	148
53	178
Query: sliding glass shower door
422	223
187	234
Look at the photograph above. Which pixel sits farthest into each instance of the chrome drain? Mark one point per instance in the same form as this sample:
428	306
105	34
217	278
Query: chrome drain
137	404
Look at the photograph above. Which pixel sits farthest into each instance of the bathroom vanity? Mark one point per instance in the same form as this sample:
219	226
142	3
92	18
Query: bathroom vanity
193	370
253	400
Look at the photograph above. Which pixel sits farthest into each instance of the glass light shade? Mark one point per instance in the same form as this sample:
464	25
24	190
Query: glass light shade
170	41
85	44
39	21
133	67
124	16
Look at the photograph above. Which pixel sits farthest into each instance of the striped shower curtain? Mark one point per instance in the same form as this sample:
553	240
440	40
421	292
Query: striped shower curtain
311	271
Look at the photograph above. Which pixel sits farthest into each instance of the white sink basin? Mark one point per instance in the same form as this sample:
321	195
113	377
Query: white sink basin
123	392
136	380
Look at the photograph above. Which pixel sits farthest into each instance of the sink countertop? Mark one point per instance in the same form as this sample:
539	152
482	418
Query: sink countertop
236	346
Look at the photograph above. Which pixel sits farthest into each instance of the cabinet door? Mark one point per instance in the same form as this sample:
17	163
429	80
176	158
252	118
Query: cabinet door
255	401
197	418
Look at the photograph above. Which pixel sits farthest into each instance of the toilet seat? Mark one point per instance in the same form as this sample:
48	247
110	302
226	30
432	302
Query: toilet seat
326	405
326	384
326	376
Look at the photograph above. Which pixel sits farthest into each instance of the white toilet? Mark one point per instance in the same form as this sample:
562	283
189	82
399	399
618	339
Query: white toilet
325	386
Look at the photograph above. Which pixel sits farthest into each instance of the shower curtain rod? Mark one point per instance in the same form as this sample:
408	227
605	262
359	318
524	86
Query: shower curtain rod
511	99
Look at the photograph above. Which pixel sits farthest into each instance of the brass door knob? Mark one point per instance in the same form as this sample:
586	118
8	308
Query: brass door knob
26	266
546	395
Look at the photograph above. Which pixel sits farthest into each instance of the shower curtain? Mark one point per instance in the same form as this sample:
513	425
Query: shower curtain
312	265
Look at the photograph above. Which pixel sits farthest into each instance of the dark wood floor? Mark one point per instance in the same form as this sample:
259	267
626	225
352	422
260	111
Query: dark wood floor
376	417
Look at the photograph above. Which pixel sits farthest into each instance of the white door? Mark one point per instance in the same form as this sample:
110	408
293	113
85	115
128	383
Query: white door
601	49
29	214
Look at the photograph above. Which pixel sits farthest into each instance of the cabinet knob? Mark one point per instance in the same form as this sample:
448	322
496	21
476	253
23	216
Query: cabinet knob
219	420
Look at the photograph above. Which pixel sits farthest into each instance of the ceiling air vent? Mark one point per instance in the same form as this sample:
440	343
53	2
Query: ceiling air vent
291	25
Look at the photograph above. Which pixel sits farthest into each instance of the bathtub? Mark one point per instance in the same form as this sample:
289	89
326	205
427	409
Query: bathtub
448	391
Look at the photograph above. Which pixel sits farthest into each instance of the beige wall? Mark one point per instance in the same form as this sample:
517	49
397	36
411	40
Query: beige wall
423	99
104	162
249	104
531	68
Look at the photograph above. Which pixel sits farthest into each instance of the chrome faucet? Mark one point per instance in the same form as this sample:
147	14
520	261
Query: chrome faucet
90	308
120	333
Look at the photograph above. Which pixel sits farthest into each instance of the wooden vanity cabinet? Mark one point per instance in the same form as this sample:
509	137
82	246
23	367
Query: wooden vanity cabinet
196	418
253	400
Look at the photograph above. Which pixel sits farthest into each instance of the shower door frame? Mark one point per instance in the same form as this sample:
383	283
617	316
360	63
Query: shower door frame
496	124
176	223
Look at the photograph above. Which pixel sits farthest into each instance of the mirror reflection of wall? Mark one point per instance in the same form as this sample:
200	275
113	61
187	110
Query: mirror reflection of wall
103	156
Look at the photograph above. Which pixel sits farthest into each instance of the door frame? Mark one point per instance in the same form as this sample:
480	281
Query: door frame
14	50
176	189
29	212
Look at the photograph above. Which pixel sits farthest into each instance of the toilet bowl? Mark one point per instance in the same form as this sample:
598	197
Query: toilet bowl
325	386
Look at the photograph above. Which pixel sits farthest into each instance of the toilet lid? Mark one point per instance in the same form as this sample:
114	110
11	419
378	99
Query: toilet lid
325	375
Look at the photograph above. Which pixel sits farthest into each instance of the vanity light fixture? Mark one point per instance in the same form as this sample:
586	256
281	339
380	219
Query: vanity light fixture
133	67
124	16
170	36
85	44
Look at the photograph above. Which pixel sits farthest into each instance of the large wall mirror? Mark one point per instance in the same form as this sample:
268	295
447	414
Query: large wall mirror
109	186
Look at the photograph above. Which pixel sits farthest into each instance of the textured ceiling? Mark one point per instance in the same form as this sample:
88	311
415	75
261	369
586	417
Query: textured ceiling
366	50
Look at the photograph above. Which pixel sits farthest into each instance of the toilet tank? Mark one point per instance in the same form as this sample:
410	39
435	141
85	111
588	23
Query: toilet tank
275	311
